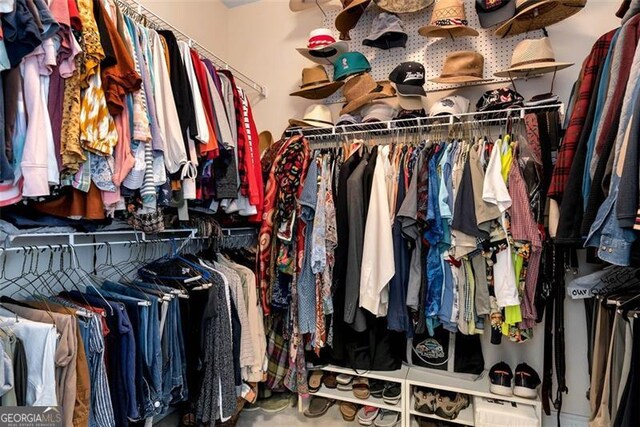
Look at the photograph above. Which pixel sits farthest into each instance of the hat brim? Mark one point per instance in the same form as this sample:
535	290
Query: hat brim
410	90
496	17
309	123
349	17
411	103
540	15
417	6
387	40
459	79
325	55
531	70
359	102
447	31
300	5
318	91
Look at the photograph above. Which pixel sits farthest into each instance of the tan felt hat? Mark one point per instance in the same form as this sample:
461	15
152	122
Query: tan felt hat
462	67
403	6
351	12
536	14
316	84
361	90
532	57
448	20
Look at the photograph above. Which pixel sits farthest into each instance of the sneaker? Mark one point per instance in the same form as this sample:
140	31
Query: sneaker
526	382
501	376
277	402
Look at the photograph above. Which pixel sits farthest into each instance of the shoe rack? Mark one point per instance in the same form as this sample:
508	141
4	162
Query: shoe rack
476	387
409	378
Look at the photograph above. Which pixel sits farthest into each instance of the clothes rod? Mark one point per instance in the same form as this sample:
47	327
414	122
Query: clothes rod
403	125
133	7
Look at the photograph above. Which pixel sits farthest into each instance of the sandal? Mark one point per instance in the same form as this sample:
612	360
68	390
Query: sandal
315	381
391	394
361	388
367	414
329	380
450	404
425	401
318	406
348	411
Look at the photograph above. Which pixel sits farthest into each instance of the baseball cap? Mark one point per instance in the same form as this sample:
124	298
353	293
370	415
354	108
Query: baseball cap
409	79
377	112
348	64
386	32
494	12
499	99
453	105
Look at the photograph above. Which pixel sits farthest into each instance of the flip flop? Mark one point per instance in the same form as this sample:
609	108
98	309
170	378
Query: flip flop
386	418
348	411
361	388
318	406
391	394
376	388
315	381
367	414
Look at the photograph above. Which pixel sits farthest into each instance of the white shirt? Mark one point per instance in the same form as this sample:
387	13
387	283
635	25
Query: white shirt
378	266
39	341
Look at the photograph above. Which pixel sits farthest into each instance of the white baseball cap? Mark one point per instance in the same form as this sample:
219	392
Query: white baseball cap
453	105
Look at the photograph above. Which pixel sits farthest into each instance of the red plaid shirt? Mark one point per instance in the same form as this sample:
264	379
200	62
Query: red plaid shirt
572	135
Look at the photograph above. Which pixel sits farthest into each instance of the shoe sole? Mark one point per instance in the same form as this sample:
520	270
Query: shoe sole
365	423
392	401
527	393
501	390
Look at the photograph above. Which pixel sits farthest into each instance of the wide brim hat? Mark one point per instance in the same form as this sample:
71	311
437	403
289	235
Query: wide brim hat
462	67
316	115
536	14
318	90
300	5
361	90
448	19
349	17
403	6
324	55
533	57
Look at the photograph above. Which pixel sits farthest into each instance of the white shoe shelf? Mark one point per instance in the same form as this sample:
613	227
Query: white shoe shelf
410	378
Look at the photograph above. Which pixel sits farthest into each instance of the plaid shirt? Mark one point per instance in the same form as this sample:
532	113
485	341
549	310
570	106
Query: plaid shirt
570	143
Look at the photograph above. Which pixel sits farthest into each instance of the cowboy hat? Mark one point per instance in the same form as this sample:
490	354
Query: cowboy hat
533	57
316	84
316	115
351	12
535	14
462	67
448	20
360	90
300	5
403	6
322	48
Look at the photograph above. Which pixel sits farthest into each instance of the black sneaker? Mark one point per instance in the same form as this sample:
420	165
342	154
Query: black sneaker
500	376
527	382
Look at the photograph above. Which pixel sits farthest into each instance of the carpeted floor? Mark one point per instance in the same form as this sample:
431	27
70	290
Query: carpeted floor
291	417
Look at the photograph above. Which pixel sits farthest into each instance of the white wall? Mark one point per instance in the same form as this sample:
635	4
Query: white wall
262	40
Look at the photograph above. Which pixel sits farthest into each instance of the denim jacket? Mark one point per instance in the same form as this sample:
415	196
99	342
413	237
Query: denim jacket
613	241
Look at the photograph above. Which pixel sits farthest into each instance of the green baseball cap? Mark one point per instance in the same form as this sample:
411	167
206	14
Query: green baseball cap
348	64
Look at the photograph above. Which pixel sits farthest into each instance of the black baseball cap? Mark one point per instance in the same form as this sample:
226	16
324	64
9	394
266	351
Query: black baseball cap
409	79
494	12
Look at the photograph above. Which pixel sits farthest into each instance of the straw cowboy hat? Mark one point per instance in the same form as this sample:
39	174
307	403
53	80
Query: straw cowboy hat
403	6
316	84
462	67
448	20
532	57
535	14
351	12
300	5
361	90
322	48
316	115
